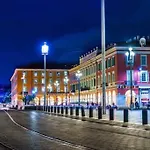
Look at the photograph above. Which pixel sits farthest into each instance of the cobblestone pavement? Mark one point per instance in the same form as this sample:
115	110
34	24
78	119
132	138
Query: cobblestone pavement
92	135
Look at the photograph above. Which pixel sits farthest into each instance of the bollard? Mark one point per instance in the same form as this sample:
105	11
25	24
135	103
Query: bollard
111	114
126	115
82	111
58	109
52	109
99	112
66	110
71	111
55	109
62	110
77	111
90	112
144	117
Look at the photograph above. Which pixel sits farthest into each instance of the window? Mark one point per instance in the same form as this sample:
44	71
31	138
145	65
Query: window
42	74
143	60
65	89
24	73
35	73
24	89
35	88
35	81
144	76
24	81
43	89
58	74
58	89
65	73
50	81
43	81
50	74
113	61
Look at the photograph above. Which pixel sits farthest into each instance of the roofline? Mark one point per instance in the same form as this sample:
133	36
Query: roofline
21	69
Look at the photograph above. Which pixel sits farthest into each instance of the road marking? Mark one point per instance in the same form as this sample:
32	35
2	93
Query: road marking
56	140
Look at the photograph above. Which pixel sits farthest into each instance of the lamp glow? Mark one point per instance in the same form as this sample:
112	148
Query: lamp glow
45	49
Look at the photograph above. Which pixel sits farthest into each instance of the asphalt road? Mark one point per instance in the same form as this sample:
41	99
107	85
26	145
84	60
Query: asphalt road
44	132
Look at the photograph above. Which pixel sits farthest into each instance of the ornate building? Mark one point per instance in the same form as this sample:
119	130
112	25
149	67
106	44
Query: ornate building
118	74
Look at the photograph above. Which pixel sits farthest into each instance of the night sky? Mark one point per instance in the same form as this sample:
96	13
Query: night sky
70	27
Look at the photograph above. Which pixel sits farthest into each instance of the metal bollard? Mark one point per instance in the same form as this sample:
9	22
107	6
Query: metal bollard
55	109
77	111
58	109
111	114
82	111
66	110
99	112
91	112
62	110
144	117
52	109
71	111
126	115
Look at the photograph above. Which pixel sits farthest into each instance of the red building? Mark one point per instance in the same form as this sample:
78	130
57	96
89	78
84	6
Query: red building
118	74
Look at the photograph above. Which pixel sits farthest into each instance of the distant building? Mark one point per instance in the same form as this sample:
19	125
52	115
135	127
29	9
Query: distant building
117	74
33	83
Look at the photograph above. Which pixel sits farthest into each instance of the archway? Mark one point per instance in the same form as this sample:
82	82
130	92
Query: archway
128	97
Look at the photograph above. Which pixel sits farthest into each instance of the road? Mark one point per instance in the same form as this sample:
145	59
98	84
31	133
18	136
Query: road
31	130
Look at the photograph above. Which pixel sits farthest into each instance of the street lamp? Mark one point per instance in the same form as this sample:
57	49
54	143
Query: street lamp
49	87
45	49
66	80
103	40
23	78
56	84
130	54
79	75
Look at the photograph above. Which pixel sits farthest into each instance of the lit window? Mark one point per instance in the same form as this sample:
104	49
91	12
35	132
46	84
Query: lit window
43	81
144	76
128	75
65	73
35	73
24	81
58	89
24	73
35	81
42	74
43	88
50	81
58	74
24	89
35	88
143	60
50	74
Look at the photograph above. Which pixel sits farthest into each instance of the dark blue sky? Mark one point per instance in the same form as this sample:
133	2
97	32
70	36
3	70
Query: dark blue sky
70	26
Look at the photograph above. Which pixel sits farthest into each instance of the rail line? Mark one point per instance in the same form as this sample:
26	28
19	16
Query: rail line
50	138
5	146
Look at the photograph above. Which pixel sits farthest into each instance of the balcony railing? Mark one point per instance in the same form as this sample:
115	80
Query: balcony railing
128	83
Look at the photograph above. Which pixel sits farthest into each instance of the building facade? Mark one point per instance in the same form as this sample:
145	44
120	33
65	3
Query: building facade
118	74
25	82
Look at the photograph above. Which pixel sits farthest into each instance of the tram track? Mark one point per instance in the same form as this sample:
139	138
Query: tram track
6	146
50	138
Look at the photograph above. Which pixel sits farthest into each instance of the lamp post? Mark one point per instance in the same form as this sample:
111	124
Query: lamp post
49	90
79	75
22	78
66	84
130	54
45	49
56	84
103	55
